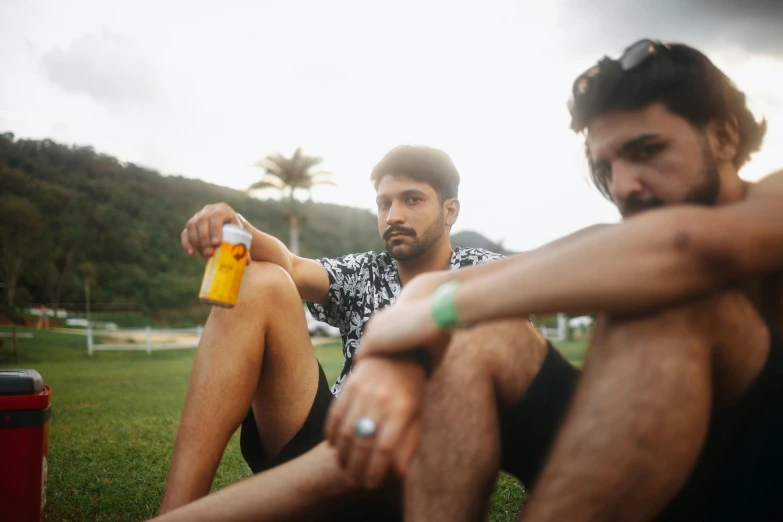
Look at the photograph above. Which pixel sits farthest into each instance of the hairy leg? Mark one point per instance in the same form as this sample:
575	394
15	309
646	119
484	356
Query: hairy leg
258	353
311	487
456	464
641	412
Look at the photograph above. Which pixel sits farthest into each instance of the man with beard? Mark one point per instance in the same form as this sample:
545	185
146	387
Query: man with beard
677	414
255	365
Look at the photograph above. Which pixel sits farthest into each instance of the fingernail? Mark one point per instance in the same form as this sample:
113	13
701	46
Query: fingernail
215	241
190	252
207	251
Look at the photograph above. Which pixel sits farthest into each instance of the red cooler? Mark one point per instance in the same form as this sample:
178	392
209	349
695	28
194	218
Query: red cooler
25	405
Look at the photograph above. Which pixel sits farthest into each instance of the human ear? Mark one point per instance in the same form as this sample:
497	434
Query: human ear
451	211
725	137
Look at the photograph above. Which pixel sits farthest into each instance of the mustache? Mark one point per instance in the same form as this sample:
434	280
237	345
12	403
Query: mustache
398	230
634	205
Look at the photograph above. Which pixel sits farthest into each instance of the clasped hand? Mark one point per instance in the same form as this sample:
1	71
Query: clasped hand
376	422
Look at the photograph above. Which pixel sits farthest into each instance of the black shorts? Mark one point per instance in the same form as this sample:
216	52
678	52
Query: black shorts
309	436
527	429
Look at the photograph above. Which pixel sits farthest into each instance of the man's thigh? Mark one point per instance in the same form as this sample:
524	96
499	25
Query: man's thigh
727	323
736	476
728	320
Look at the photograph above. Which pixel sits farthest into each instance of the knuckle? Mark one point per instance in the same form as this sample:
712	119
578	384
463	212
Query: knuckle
382	397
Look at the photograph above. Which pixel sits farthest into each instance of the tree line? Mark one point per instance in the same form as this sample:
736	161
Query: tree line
72	217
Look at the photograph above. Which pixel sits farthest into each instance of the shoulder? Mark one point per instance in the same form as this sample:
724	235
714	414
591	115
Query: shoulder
473	256
769	185
354	261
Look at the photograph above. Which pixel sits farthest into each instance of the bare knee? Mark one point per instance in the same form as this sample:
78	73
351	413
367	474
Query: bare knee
722	330
711	320
508	353
266	280
266	290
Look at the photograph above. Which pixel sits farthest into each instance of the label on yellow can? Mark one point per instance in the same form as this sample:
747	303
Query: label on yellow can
224	270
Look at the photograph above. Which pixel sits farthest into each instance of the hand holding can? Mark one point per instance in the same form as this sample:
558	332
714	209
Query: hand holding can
224	270
213	233
204	231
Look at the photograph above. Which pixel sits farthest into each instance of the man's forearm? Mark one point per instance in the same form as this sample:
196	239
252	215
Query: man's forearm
265	247
487	269
639	265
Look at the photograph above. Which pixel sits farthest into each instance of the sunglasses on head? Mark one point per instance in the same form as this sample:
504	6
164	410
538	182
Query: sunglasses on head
632	57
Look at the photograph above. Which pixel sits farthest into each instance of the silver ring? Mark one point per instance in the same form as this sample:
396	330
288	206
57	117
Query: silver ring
365	427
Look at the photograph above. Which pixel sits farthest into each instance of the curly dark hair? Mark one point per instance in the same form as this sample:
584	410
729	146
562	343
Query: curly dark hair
681	77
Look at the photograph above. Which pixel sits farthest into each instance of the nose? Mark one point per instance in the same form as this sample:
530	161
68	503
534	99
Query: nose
395	215
625	182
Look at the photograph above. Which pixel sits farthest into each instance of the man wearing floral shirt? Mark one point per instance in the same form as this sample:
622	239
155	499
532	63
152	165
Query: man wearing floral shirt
255	366
361	284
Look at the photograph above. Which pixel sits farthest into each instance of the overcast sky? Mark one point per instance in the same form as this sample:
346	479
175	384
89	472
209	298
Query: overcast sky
203	89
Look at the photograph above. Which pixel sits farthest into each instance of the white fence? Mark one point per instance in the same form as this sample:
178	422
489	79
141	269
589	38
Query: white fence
147	339
558	333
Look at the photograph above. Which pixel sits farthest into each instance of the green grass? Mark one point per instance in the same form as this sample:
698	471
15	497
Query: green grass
574	351
114	420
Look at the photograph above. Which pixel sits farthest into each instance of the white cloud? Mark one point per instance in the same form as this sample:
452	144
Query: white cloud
105	66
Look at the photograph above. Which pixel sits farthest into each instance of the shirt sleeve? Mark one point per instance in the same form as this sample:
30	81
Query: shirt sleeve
345	285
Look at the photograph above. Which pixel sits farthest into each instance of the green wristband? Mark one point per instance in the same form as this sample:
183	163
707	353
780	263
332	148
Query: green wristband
444	312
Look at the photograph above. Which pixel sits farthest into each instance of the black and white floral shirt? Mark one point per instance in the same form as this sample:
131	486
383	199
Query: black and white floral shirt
362	284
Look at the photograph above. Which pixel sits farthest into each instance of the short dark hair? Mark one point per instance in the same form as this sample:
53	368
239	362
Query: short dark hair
681	77
426	164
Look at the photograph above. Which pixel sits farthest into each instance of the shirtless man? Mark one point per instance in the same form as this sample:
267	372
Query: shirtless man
678	414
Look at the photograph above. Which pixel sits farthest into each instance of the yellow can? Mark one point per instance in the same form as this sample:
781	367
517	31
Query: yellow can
223	274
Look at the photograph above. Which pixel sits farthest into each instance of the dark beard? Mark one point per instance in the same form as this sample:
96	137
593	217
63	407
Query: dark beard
706	193
416	247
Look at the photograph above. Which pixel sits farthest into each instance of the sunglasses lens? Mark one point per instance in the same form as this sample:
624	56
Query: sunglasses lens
631	58
636	54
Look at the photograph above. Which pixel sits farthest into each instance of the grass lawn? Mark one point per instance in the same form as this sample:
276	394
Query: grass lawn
114	420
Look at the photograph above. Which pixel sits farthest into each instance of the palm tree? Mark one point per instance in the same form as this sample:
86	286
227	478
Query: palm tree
300	171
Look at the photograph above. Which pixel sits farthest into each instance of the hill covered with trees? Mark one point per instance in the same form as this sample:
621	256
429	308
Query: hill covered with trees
70	215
